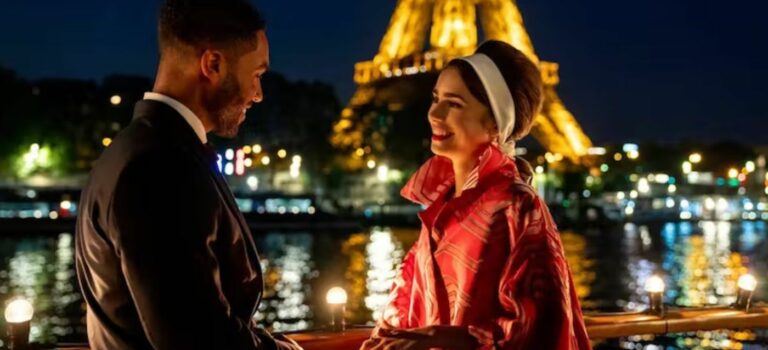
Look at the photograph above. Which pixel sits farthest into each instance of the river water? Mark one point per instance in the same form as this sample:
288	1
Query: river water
700	263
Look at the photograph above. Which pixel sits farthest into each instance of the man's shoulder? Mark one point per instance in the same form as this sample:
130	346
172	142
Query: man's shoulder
142	149
138	140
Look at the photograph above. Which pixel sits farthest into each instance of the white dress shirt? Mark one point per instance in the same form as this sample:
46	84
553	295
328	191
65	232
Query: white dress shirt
185	112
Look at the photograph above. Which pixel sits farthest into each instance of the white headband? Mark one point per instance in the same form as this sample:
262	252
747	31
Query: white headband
502	104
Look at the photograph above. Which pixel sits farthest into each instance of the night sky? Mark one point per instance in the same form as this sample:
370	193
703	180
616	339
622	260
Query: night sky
654	70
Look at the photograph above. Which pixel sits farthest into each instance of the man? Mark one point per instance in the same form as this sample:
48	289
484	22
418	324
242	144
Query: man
164	258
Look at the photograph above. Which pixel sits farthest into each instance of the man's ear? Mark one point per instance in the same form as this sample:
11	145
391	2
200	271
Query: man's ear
213	65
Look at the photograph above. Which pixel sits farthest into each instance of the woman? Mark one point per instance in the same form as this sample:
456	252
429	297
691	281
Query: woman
488	269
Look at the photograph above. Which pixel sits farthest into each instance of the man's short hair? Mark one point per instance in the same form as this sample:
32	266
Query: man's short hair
204	24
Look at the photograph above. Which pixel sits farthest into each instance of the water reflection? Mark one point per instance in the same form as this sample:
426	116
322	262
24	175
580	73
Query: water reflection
575	246
374	258
384	256
288	270
42	271
355	277
700	262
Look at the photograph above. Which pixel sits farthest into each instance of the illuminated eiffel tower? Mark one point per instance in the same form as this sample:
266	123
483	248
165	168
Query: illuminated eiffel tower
390	82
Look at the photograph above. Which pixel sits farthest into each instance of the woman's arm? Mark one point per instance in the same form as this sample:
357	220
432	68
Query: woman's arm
540	311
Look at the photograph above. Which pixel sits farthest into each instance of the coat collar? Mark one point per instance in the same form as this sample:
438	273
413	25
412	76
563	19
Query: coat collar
435	178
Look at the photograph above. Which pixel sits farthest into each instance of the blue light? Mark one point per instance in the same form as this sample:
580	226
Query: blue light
630	147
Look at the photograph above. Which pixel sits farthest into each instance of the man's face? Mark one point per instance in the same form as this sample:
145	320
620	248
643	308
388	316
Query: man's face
240	89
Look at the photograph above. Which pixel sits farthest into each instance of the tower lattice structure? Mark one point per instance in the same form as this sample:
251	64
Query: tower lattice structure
450	27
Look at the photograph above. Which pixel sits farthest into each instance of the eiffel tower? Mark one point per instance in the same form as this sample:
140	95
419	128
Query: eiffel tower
392	80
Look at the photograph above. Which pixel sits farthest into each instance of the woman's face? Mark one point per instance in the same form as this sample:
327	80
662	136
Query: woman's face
460	123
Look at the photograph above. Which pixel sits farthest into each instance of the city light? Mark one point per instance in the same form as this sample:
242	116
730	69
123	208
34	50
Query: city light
733	173
672	188
596	151
265	160
295	167
239	163
722	204
247	149
630	147
37	158
66	205
750	166
115	100
229	169
106	141
661	178
643	186
360	152
253	182
695	158
553	157
382	173
256	148
371	164
687	167
633	155
604	168
539	169
248	162
229	154
282	153
709	203
617	156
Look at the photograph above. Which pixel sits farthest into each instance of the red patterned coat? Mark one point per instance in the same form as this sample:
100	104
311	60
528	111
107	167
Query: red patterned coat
491	258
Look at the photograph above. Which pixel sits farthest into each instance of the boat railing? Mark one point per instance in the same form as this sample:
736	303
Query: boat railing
657	319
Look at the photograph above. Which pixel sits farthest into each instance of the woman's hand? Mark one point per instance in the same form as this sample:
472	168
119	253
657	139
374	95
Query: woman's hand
393	344
484	337
443	337
399	339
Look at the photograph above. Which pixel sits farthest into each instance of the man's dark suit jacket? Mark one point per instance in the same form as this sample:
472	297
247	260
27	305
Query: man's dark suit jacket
165	259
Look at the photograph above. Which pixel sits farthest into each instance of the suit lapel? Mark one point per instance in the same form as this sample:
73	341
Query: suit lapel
167	118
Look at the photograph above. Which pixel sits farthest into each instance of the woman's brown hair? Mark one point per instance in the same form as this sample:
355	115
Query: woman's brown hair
521	75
